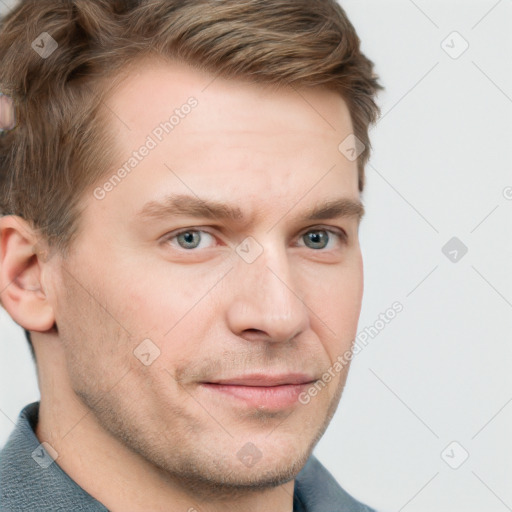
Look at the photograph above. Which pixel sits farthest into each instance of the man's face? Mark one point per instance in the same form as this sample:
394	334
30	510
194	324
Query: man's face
286	301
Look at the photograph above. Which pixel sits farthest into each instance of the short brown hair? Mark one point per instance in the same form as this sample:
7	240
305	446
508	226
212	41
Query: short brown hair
59	147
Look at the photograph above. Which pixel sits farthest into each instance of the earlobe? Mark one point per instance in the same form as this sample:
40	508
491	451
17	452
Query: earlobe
21	291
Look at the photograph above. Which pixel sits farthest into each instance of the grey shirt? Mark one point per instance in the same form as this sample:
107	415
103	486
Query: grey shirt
31	481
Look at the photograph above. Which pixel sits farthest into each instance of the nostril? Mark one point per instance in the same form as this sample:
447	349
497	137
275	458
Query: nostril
255	335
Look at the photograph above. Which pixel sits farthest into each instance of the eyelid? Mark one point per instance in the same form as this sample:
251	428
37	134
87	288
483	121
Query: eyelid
330	229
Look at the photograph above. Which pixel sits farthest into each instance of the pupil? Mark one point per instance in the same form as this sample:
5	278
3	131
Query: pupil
188	238
316	237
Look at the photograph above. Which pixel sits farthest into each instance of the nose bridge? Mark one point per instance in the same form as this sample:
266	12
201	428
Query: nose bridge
267	295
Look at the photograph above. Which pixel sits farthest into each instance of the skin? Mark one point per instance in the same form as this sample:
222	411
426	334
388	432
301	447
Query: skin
7	119
140	437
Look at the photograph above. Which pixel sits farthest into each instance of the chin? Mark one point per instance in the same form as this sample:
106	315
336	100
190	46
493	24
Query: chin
209	484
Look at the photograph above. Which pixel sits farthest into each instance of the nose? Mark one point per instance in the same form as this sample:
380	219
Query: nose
265	302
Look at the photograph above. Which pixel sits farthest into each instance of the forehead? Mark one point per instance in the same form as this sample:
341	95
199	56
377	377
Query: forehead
242	141
152	90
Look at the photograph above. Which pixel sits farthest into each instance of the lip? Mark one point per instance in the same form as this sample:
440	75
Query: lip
266	380
260	391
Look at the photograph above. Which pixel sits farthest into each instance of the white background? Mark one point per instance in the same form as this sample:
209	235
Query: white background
439	372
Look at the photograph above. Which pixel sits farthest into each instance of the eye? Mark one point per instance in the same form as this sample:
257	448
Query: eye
188	238
319	239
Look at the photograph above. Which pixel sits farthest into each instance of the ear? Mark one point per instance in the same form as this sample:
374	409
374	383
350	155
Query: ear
21	289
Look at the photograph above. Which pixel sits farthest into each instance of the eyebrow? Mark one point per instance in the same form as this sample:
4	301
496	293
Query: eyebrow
183	205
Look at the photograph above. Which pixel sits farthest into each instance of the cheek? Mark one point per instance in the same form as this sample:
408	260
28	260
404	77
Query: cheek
153	293
167	309
152	309
339	287
336	304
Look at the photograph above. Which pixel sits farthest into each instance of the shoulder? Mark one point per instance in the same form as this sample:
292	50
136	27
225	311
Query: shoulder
30	479
316	490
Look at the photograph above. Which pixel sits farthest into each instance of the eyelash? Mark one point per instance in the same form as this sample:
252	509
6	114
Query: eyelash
342	235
